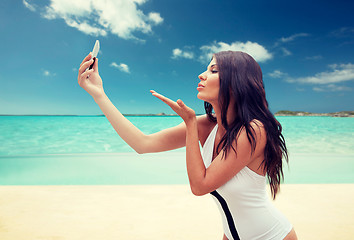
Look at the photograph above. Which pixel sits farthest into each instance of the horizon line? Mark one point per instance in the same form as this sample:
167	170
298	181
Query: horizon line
162	114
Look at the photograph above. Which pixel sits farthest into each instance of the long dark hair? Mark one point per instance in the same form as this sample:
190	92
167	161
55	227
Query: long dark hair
240	79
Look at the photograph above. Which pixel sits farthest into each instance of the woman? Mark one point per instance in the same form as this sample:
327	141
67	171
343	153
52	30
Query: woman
242	143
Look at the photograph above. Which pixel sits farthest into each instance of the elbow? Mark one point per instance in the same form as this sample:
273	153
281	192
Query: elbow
198	190
140	151
200	186
141	148
197	193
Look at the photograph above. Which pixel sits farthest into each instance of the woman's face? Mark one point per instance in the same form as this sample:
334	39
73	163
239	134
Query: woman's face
208	86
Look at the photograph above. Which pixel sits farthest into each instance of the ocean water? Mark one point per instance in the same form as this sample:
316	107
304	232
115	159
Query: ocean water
28	135
87	150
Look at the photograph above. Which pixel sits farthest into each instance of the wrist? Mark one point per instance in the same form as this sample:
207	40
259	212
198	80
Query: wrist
99	98
191	122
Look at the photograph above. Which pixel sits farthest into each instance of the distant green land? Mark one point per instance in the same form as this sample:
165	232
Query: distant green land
301	113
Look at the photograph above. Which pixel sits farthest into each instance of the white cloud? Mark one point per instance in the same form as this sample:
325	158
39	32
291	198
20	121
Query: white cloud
338	73
289	39
98	18
277	74
331	88
300	89
343	32
314	58
86	28
155	18
178	53
286	52
122	67
257	51
31	7
47	73
293	37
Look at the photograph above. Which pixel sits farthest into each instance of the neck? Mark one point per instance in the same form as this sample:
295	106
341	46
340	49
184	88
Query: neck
230	115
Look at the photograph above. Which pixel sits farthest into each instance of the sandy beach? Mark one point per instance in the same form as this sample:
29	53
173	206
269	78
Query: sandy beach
317	211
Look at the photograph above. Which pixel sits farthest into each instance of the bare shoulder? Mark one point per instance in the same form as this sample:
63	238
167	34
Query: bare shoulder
258	128
256	123
261	140
204	127
259	134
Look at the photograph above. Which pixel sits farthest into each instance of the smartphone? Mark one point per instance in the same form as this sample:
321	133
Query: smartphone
95	50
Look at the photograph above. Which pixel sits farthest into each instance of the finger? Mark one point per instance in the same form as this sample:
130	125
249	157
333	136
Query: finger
84	75
85	65
94	60
95	65
181	103
183	106
162	98
88	57
154	93
172	104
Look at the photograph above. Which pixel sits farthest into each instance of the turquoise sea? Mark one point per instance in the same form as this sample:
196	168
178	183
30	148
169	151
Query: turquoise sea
37	150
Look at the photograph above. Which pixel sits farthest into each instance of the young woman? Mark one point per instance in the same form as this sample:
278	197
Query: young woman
242	143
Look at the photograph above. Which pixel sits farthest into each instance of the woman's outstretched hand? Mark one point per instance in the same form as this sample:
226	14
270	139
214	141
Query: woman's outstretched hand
89	79
185	112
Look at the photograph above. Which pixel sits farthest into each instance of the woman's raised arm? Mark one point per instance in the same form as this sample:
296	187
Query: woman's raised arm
164	140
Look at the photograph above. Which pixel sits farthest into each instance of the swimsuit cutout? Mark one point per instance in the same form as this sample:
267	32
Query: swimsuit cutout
245	208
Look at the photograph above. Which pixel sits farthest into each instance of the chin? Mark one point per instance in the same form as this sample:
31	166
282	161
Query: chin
203	97
200	96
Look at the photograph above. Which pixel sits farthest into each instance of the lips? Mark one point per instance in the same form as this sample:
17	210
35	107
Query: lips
200	87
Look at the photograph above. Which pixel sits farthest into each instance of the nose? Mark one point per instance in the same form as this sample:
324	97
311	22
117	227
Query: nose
202	76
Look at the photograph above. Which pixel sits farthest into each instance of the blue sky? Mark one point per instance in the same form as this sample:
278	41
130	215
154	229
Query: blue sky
305	49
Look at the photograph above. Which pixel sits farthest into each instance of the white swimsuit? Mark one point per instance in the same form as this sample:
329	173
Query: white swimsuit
246	210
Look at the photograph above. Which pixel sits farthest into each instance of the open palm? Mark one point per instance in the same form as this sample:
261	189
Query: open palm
185	112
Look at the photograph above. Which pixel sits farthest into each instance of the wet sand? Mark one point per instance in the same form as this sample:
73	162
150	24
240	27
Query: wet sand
317	211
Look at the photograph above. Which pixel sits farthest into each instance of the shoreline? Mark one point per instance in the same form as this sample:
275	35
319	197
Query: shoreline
162	114
284	113
132	168
159	212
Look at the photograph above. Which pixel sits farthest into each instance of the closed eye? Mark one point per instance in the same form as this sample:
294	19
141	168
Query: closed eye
213	68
